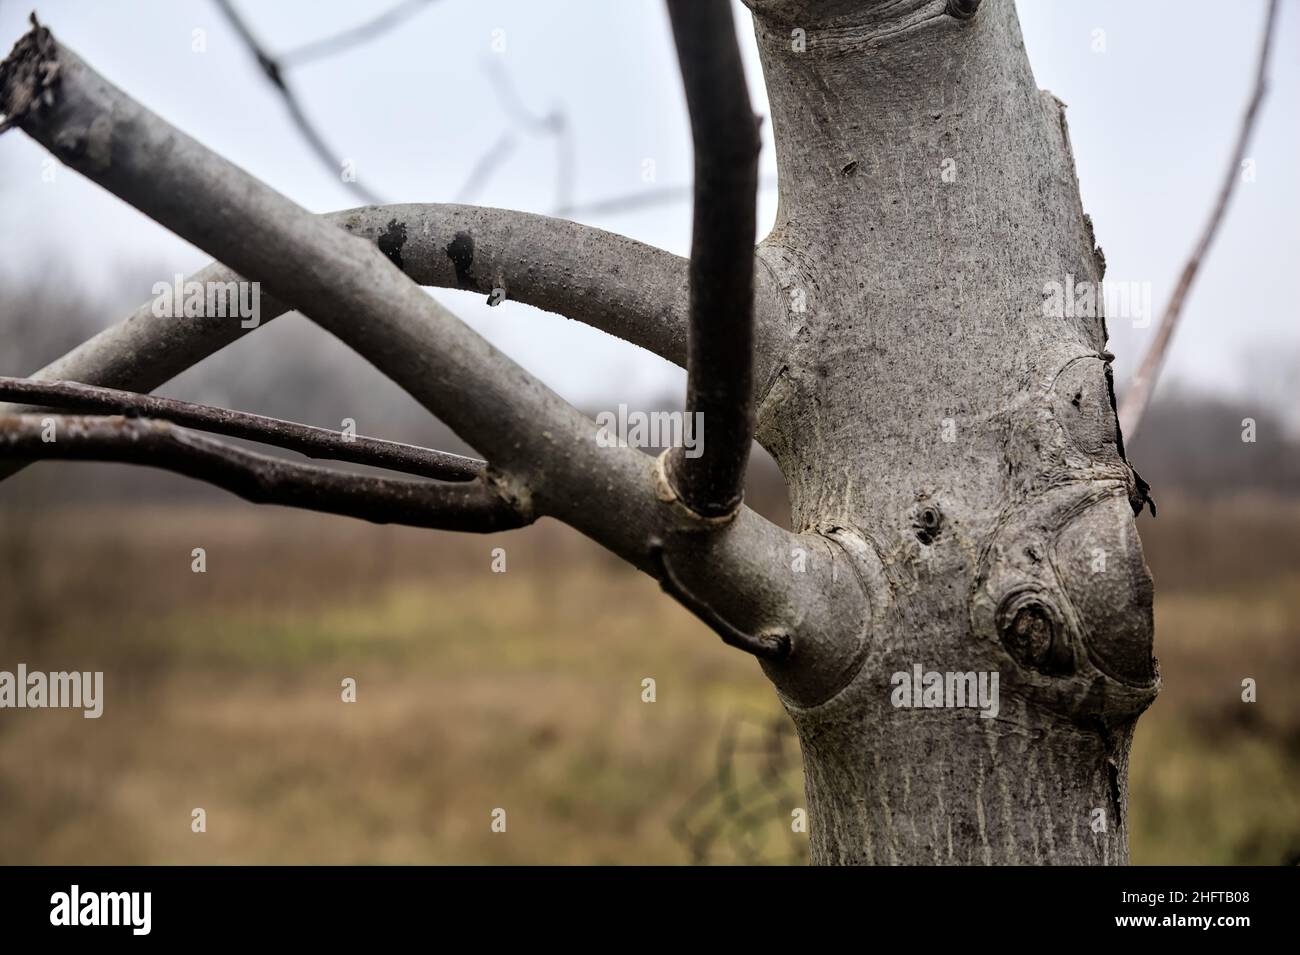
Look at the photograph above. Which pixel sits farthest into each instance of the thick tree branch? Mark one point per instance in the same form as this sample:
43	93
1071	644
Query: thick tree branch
721	353
545	453
626	288
764	646
1138	395
475	506
305	439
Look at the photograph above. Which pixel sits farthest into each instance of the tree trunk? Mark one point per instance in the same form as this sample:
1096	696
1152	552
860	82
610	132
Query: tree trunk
940	418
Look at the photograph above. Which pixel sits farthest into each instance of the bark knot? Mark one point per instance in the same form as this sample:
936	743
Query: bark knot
928	522
962	9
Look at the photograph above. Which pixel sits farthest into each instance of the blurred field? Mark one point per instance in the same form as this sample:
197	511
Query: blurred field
522	691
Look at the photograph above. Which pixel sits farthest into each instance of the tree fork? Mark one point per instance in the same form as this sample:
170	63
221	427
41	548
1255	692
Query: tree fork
544	453
955	467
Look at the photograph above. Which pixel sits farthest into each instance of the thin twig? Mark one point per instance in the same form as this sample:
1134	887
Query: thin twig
554	124
1138	395
272	69
469	506
720	362
354	36
305	439
643	199
486	165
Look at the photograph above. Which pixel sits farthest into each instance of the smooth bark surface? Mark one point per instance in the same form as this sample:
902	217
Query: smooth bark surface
720	363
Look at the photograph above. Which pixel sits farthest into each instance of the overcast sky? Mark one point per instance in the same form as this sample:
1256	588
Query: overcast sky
1152	119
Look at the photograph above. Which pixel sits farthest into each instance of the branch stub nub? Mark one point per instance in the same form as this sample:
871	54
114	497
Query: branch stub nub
1033	633
962	9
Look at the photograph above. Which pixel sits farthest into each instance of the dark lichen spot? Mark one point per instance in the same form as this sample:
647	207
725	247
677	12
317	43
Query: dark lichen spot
461	252
391	242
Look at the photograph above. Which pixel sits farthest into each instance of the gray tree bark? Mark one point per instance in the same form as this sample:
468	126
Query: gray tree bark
956	472
958	441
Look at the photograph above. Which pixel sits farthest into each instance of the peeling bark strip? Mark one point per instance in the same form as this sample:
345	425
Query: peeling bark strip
955	468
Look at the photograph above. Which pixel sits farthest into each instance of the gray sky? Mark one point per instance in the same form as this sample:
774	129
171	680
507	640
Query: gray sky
1152	119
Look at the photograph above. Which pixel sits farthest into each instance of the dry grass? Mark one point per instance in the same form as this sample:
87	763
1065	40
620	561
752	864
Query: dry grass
522	691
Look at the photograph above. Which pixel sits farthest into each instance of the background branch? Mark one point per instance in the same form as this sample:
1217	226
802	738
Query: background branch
554	124
488	162
721	353
305	439
471	506
272	70
642	199
1138	394
354	36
